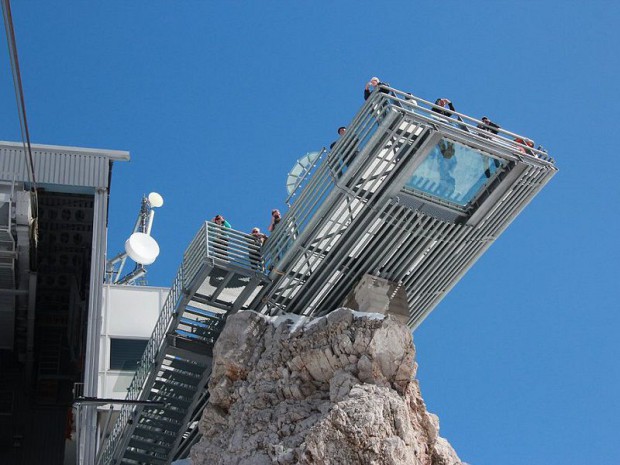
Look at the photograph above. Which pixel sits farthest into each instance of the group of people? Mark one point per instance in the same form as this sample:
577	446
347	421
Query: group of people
442	106
221	240
445	107
256	233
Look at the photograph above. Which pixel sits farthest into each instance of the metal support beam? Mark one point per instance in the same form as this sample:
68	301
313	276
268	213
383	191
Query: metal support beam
87	450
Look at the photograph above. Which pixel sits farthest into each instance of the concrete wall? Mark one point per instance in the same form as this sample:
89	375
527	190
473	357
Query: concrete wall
128	312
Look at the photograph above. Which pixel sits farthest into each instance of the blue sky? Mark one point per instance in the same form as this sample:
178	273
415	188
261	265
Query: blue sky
216	100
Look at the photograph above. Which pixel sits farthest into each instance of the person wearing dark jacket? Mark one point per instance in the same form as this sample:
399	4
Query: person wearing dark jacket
276	217
255	254
488	125
374	83
444	107
341	131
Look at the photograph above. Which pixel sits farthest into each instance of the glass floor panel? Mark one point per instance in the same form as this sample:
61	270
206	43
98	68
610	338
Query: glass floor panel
454	173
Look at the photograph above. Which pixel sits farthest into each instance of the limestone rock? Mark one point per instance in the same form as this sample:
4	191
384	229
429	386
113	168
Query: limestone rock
334	390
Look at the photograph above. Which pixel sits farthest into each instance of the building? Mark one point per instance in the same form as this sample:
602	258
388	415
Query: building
53	220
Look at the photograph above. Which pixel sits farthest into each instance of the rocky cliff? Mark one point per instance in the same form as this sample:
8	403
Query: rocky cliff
335	390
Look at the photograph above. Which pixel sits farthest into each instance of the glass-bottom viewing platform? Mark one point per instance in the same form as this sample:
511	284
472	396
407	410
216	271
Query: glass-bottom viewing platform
405	195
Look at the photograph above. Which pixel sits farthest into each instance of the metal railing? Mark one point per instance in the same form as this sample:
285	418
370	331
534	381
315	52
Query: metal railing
467	124
231	247
399	122
324	177
146	364
377	109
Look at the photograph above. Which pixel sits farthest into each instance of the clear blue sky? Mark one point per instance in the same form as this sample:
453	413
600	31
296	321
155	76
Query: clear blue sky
216	99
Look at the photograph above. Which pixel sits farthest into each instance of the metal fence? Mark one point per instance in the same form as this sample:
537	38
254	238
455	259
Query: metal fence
473	127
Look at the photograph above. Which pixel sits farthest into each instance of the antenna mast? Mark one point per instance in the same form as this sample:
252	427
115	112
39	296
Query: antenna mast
140	246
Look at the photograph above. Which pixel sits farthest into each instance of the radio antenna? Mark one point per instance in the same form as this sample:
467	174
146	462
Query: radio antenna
140	246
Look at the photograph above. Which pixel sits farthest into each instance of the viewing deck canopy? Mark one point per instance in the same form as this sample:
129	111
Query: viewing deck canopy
407	196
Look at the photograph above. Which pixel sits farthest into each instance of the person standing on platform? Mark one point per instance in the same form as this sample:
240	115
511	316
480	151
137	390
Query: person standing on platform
220	241
255	253
275	219
489	126
445	107
372	85
341	131
220	220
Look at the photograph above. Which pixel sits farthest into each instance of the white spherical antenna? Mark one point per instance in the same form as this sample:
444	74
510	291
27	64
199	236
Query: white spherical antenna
142	248
155	200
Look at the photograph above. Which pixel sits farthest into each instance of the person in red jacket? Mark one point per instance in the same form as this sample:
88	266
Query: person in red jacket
524	144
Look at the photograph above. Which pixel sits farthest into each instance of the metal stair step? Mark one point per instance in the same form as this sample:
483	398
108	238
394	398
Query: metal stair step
190	347
142	444
178	402
213	317
169	412
149	432
161	423
198	328
162	415
145	458
143	434
179	376
188	353
184	365
179	365
183	390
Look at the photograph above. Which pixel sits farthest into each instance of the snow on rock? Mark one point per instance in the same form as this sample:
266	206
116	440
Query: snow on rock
339	389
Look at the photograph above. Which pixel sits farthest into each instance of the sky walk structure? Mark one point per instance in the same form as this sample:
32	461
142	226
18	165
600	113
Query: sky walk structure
408	196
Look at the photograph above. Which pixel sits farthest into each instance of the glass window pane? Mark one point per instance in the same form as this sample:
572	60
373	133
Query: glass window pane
454	172
126	353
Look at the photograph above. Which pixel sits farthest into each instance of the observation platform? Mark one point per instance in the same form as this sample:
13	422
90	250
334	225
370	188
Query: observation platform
407	195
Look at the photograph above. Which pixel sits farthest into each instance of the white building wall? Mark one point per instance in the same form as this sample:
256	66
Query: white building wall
128	312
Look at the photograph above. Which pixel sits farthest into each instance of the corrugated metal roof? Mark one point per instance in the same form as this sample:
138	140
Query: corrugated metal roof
59	165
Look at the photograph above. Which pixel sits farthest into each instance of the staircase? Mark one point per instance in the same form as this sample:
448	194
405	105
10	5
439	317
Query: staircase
219	275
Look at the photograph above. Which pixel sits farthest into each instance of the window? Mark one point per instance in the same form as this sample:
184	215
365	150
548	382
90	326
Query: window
454	173
126	353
